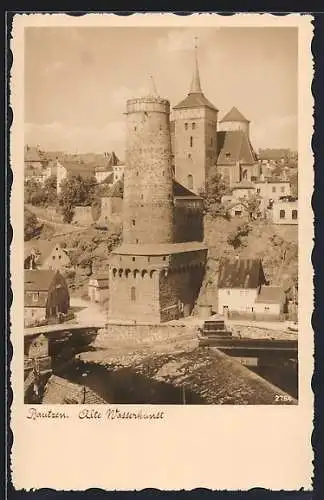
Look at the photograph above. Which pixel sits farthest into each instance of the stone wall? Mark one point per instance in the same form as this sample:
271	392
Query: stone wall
83	215
188	220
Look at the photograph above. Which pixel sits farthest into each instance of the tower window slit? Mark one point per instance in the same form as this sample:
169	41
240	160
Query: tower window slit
191	141
133	293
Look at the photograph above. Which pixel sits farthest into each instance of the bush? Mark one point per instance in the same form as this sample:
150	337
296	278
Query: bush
32	228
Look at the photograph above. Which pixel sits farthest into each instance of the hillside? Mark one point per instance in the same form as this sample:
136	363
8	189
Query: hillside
277	246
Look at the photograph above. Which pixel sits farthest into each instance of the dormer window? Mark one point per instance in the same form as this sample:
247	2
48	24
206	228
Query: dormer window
227	154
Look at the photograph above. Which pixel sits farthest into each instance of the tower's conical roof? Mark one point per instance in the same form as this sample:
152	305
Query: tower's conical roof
195	97
195	82
234	115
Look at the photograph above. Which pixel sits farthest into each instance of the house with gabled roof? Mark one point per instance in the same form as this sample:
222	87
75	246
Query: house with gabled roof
46	295
43	254
244	290
239	284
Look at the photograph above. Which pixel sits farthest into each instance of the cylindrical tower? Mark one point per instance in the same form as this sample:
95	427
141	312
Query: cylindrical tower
148	195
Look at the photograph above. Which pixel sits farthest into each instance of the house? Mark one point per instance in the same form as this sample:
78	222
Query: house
37	167
60	391
239	284
244	291
111	201
45	295
270	301
98	289
236	209
112	165
69	168
46	255
188	214
285	211
272	189
243	189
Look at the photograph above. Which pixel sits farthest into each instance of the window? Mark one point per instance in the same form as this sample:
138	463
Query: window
189	156
282	214
273	189
60	256
191	141
133	222
294	214
193	126
35	297
133	293
227	155
211	141
186	126
164	257
266	308
136	240
238	213
141	196
53	257
133	259
190	181
282	189
258	190
228	292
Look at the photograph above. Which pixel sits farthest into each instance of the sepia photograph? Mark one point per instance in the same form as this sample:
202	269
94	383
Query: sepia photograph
160	264
161	216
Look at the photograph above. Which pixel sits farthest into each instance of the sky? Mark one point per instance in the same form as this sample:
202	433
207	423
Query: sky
77	80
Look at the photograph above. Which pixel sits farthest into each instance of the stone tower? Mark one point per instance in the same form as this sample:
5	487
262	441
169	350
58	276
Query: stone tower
233	121
195	130
151	278
148	200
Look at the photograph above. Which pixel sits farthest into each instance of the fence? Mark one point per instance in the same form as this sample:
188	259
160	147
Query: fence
252	316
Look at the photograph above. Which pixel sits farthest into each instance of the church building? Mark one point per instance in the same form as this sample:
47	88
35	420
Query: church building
201	146
195	136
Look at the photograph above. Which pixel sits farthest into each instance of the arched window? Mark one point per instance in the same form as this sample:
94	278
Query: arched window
190	181
133	293
191	141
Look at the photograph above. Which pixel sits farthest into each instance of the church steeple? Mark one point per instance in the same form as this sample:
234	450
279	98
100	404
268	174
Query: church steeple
195	83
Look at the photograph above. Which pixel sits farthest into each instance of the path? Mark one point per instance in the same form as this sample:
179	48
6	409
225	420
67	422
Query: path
87	312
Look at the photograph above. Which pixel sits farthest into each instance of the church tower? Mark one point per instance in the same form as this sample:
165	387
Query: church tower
195	135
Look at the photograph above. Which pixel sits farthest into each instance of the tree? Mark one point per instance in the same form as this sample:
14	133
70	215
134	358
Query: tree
76	191
217	186
34	193
32	227
252	205
235	238
50	190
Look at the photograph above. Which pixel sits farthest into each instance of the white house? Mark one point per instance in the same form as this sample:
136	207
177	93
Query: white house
98	289
243	290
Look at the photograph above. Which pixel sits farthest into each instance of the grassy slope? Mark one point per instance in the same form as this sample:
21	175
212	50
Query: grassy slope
266	241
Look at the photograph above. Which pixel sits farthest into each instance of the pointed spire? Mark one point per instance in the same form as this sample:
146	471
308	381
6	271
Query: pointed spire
195	83
152	92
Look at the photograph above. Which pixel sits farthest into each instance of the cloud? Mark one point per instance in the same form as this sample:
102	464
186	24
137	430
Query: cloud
276	132
58	136
179	40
